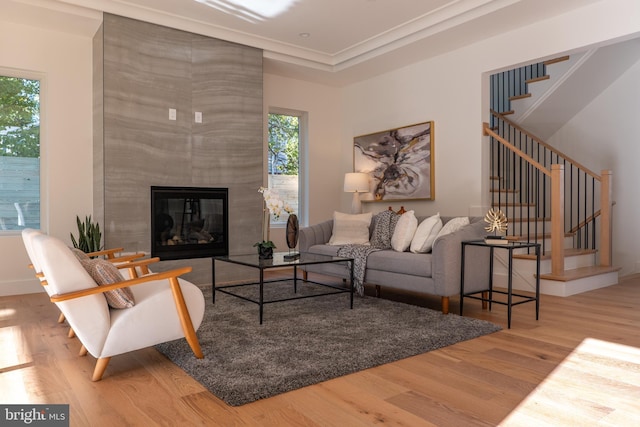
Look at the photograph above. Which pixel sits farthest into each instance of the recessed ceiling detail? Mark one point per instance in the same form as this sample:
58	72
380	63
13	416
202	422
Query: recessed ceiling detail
357	37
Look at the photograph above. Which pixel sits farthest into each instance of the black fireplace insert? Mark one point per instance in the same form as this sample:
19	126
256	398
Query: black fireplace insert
189	222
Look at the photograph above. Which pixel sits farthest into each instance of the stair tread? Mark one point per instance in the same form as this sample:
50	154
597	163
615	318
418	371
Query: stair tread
503	190
536	237
580	273
556	60
512	204
529	219
567	253
515	97
537	79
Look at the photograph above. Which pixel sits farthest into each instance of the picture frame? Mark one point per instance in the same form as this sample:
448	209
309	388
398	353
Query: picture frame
400	162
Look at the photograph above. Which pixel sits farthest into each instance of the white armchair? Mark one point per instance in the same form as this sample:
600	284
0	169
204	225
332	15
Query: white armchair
123	262
166	307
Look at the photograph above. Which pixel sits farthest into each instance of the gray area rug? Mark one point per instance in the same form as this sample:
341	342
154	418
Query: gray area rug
307	341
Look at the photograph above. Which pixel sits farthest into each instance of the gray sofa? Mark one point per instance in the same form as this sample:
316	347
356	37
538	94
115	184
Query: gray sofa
435	273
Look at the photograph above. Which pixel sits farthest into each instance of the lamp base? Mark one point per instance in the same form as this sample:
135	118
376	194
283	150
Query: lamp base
356	205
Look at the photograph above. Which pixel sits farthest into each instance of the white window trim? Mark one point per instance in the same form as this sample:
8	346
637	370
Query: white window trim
303	137
44	182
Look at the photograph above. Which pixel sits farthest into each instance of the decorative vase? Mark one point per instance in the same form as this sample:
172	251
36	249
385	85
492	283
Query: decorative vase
292	231
265	252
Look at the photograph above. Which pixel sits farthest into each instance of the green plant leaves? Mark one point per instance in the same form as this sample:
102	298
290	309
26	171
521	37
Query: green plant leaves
89	235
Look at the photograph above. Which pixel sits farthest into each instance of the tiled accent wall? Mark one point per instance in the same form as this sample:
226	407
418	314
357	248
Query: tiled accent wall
142	70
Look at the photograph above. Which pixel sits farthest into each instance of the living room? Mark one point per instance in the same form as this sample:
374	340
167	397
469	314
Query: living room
448	87
430	89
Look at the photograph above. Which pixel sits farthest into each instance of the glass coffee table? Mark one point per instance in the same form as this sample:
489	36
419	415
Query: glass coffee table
278	261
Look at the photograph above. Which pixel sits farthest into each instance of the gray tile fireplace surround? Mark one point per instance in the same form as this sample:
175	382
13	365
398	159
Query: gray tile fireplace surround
142	70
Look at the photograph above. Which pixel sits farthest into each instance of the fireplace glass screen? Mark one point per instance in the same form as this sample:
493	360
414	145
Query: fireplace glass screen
189	222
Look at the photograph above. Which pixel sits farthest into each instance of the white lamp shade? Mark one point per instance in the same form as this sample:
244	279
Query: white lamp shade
356	182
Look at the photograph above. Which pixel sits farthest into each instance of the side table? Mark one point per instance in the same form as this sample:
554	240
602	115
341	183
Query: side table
510	247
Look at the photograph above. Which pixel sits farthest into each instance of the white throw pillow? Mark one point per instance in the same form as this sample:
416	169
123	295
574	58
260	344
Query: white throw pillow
426	234
350	229
404	231
453	225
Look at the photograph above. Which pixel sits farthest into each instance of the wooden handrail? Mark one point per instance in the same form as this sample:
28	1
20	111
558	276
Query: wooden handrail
547	146
510	146
587	220
557	197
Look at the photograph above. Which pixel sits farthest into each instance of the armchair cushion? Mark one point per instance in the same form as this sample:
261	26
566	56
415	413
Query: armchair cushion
105	273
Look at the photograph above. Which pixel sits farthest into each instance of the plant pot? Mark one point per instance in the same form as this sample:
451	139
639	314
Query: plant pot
265	252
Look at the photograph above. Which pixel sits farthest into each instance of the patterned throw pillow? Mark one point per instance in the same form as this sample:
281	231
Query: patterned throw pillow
79	254
384	223
105	273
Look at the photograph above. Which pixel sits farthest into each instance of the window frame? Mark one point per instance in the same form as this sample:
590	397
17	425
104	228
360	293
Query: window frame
43	169
303	132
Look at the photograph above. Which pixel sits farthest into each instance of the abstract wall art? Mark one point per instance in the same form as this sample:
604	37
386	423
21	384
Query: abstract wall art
399	161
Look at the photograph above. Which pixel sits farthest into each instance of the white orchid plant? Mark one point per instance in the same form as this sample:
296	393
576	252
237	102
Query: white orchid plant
273	205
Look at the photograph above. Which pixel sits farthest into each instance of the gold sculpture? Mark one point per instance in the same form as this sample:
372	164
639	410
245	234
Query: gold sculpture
497	221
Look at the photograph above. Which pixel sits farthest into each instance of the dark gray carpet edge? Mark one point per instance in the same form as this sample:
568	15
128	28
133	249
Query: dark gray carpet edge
308	341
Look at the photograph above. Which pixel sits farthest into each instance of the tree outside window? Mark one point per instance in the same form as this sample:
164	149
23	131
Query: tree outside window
283	161
19	153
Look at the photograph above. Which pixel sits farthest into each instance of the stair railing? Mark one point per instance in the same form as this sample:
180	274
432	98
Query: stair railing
525	167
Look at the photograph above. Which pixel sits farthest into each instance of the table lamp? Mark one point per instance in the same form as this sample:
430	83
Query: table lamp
356	182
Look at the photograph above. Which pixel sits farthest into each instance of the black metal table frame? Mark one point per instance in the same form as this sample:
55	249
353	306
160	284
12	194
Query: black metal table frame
510	294
295	264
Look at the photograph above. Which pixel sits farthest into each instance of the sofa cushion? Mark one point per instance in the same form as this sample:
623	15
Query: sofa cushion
350	229
324	250
454	225
404	231
400	262
425	234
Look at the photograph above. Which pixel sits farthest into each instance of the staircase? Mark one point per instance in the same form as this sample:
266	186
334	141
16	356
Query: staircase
549	199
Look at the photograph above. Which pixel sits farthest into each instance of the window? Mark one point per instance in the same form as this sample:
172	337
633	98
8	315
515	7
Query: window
286	132
19	153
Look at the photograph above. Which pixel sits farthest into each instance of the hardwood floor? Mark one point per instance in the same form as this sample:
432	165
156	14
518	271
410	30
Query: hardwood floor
578	365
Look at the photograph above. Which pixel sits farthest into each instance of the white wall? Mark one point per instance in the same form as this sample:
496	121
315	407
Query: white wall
64	61
606	135
452	90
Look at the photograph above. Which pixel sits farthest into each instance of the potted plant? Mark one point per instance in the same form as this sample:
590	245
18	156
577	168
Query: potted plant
272	205
89	236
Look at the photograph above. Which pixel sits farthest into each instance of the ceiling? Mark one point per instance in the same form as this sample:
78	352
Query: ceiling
329	41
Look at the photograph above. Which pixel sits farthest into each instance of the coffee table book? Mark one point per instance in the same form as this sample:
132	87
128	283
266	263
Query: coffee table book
496	240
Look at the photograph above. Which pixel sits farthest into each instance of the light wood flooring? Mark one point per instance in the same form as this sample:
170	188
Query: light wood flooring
579	365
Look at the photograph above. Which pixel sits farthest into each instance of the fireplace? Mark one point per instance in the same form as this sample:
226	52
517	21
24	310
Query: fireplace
189	222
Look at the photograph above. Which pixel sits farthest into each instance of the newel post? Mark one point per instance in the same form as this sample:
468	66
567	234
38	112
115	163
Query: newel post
606	249
557	219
